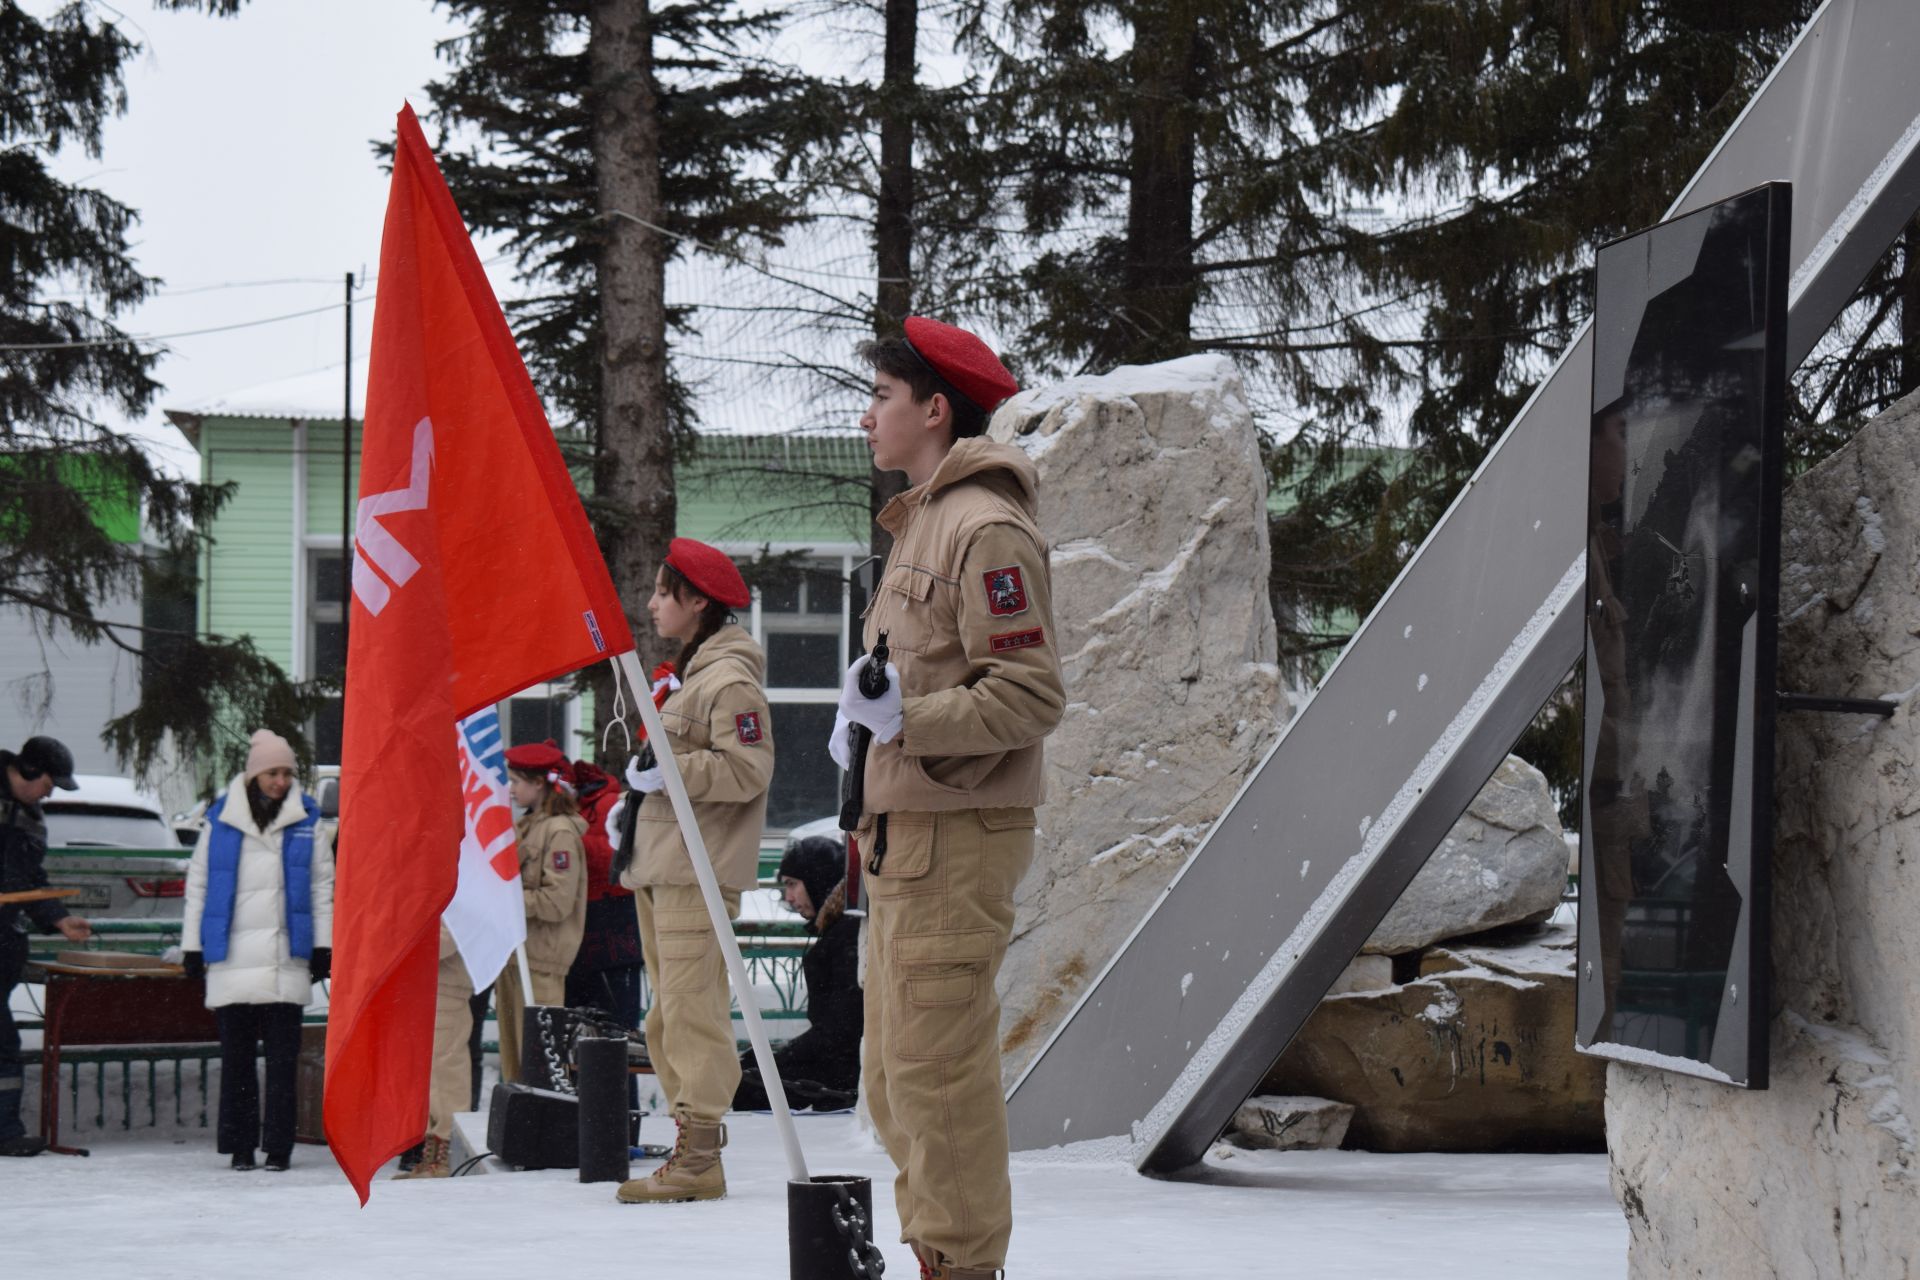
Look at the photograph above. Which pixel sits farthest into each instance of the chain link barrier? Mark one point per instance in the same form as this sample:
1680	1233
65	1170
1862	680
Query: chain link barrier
864	1260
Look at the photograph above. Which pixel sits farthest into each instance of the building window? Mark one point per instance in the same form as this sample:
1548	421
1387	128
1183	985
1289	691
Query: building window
326	645
808	623
538	715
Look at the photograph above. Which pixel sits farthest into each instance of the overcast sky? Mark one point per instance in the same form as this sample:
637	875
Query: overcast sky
245	150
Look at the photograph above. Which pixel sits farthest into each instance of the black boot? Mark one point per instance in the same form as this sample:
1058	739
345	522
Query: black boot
27	1144
243	1161
279	1161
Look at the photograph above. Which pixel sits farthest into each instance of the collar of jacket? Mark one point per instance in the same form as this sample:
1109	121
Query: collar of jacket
835	907
975	458
730	643
237	813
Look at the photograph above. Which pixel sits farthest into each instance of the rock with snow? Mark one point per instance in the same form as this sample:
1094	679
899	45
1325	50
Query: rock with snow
1504	862
1265	1122
1153	497
1475	1055
1818	1175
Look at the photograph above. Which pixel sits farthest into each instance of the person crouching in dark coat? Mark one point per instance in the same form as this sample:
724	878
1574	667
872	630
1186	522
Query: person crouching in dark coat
820	1067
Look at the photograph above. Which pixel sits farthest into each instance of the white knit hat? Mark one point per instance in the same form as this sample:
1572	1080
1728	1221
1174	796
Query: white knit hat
268	750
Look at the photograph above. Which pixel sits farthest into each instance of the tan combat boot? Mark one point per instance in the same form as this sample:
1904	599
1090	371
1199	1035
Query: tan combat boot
692	1172
436	1161
944	1270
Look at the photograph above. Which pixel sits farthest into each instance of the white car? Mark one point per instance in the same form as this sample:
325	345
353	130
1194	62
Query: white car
112	841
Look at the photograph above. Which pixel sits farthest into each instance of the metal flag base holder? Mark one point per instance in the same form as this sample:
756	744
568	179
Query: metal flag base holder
829	1217
830	1229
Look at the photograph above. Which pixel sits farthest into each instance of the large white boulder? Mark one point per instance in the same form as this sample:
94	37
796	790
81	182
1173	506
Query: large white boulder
1816	1178
1154	499
1504	862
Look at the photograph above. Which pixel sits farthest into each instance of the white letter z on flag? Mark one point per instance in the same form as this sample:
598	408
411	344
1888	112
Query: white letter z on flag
373	543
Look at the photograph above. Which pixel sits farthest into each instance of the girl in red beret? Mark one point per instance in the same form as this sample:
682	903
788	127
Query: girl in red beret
722	739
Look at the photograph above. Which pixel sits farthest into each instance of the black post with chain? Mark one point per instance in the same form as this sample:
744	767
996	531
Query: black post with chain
830	1229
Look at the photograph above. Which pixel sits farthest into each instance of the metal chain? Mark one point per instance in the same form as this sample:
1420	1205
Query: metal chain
850	1219
556	1066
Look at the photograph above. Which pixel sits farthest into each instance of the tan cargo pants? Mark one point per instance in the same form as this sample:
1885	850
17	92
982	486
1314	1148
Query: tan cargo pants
452	1087
939	916
690	1024
509	1010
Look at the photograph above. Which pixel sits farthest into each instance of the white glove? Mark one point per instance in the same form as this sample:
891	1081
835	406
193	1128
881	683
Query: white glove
645	781
883	714
837	745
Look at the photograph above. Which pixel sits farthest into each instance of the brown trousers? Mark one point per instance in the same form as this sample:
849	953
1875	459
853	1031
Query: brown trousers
452	1087
939	916
509	1010
690	1024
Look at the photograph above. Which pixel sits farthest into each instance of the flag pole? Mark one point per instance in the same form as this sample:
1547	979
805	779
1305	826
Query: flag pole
717	912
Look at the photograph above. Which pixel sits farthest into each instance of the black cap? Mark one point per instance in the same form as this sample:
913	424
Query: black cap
819	862
47	755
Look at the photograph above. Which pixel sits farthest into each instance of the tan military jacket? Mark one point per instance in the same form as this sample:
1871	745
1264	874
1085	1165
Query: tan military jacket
966	602
722	737
553	883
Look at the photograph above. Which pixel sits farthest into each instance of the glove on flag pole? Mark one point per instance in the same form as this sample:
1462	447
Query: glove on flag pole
475	574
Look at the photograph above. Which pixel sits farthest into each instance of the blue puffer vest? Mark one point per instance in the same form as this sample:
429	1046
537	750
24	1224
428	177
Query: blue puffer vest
223	880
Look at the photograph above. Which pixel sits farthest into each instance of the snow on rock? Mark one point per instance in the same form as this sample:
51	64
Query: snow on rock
1502	863
1817	1176
1154	500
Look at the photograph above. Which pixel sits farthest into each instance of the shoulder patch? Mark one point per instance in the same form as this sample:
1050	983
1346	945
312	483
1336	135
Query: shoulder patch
747	726
1006	591
1018	640
561	859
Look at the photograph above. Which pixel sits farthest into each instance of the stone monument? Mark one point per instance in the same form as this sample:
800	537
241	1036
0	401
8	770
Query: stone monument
1816	1177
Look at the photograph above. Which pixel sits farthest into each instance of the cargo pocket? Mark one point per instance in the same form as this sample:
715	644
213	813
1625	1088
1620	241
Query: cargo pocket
939	992
1008	852
902	608
909	857
686	942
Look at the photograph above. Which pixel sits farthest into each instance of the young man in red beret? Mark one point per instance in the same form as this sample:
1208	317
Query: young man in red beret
952	780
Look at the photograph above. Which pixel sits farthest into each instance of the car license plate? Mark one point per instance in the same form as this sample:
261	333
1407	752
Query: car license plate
92	897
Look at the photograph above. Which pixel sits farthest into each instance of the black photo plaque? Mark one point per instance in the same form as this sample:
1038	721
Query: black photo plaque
1683	538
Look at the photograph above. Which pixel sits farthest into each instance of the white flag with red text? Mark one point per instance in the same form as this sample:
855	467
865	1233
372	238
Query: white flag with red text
487	916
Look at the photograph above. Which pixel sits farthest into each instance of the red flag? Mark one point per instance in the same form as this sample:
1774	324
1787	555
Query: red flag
475	574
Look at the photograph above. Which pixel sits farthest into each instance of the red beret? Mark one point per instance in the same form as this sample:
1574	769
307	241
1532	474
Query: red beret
963	360
710	572
536	757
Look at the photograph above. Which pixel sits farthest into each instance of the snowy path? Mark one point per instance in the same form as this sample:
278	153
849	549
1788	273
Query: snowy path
154	1209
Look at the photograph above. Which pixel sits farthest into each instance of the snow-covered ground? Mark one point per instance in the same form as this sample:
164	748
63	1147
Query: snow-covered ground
151	1208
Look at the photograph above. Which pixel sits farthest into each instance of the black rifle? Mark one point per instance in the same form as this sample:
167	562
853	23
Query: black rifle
873	684
629	816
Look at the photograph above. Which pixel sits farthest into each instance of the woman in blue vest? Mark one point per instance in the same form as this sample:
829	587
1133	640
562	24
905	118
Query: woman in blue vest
259	927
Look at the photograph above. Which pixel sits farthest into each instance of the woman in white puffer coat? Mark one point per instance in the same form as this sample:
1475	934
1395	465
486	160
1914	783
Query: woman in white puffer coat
259	927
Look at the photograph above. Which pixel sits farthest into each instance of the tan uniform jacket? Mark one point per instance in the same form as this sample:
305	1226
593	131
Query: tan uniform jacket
553	883
722	737
966	602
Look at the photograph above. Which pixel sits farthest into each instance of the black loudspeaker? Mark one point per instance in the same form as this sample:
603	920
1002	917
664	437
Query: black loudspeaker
534	1128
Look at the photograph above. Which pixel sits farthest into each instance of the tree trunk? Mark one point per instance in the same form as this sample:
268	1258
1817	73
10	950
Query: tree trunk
893	224
633	460
1155	320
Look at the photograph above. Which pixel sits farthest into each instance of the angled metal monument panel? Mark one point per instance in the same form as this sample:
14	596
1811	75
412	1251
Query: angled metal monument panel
1446	672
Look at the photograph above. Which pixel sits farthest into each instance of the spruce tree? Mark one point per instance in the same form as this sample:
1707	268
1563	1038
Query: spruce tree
67	271
603	138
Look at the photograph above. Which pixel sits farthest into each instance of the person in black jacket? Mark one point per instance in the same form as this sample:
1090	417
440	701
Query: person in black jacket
820	1067
27	777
